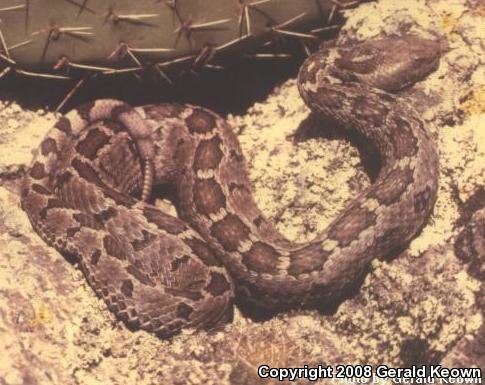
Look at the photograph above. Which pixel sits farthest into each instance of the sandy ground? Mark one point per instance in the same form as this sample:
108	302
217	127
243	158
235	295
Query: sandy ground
425	306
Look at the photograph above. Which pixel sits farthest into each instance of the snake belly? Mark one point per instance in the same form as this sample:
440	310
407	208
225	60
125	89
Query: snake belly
163	273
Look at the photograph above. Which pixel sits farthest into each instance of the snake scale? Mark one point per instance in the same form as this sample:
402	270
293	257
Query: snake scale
163	273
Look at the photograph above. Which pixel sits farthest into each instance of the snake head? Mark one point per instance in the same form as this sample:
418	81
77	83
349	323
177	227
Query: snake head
391	63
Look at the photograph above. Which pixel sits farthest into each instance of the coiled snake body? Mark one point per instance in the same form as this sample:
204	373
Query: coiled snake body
162	273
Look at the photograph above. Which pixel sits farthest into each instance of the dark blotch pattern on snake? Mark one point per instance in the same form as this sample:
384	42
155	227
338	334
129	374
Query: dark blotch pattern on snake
162	273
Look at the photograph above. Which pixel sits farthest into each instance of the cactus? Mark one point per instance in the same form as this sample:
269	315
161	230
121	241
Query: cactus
74	39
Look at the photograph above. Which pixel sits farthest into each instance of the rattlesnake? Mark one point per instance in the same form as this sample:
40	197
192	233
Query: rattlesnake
161	273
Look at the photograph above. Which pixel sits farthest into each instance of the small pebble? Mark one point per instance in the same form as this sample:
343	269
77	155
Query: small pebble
12	123
15	108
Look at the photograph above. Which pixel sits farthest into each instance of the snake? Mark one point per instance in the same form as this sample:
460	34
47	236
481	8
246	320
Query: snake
89	193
